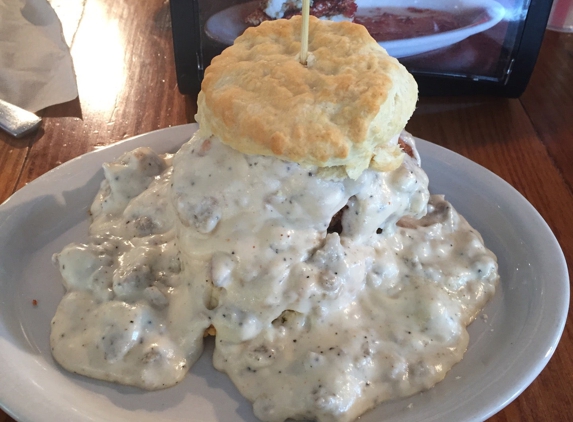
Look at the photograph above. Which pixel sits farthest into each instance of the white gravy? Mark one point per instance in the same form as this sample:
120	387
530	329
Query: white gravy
311	324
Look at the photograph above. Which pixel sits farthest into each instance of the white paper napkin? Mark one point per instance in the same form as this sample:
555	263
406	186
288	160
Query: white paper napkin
36	68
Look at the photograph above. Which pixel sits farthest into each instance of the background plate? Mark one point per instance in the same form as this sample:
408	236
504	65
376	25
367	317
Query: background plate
508	348
478	16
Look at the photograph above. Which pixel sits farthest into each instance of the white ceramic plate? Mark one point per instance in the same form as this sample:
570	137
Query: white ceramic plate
478	16
507	351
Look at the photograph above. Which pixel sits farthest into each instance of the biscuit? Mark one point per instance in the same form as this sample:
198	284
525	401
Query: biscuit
344	108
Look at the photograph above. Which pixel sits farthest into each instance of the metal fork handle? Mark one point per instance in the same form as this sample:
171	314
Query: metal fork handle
17	121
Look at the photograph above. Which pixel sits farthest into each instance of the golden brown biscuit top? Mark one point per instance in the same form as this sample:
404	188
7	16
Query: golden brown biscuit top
341	109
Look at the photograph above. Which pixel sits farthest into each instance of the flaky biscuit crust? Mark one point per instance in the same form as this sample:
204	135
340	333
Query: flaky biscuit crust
341	109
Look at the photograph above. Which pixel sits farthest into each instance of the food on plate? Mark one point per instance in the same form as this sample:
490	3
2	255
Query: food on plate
394	23
384	23
293	227
336	10
346	108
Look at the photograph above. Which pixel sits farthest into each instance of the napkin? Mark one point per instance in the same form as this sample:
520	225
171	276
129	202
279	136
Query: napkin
36	68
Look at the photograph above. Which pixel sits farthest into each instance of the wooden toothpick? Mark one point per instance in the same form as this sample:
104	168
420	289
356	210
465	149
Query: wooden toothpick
304	32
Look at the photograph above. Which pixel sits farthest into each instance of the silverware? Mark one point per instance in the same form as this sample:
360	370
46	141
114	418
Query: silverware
17	121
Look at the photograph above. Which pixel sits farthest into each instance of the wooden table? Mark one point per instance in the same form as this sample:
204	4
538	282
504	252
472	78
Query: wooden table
127	86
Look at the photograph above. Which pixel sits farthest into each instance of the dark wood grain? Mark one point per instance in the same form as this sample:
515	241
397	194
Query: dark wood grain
548	100
123	58
13	153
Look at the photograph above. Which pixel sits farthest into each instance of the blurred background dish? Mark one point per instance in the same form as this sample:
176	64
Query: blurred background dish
465	18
